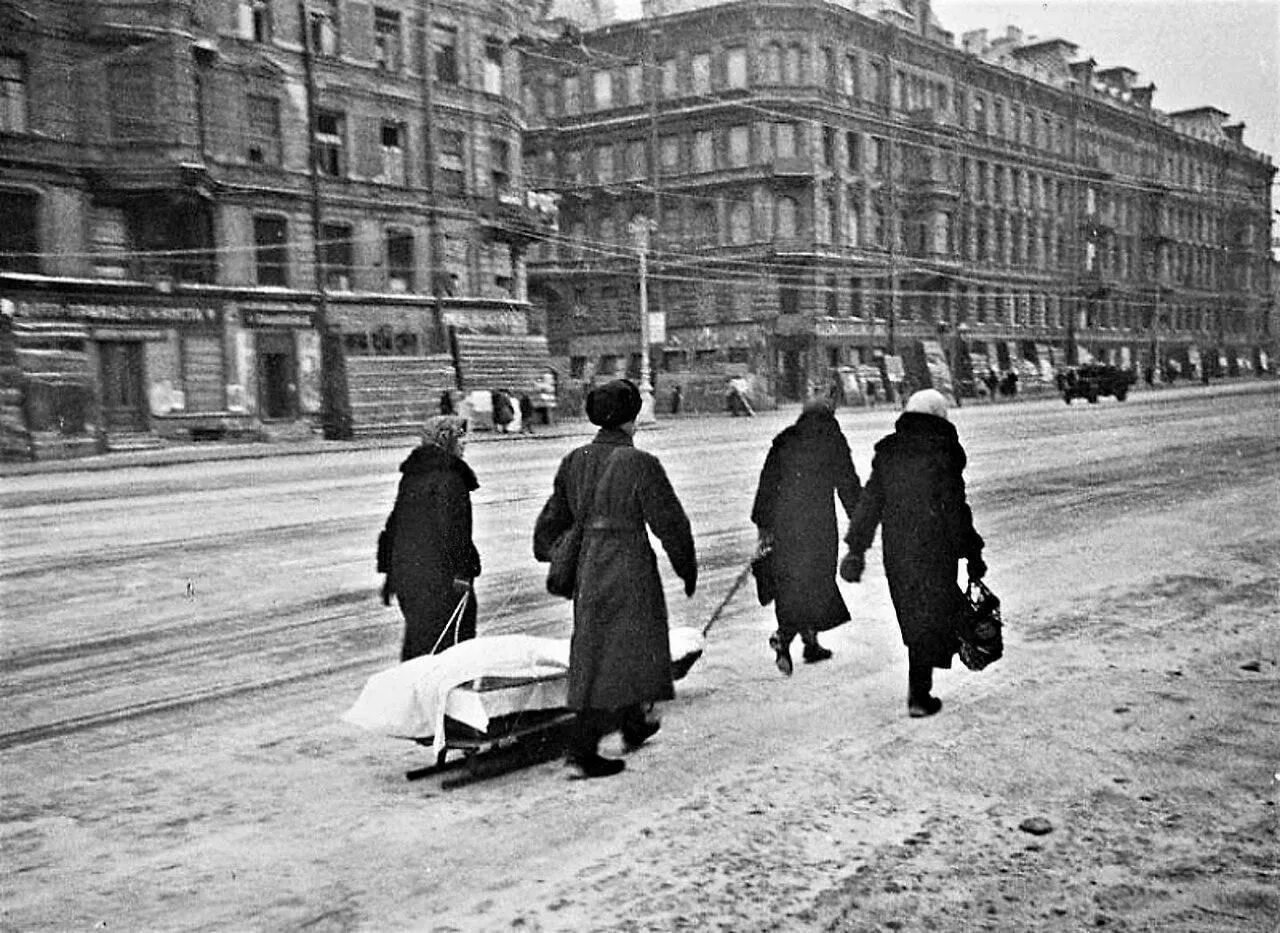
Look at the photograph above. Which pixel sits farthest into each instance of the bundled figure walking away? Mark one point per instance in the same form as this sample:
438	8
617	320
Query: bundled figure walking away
916	494
426	549
619	653
795	515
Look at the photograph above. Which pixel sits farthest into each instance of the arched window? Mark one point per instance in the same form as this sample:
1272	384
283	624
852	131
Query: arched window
793	68
852	224
786	213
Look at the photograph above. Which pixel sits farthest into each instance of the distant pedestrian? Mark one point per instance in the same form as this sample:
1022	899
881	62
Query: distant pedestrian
619	653
677	399
526	414
916	494
430	558
992	382
794	512
446	403
503	413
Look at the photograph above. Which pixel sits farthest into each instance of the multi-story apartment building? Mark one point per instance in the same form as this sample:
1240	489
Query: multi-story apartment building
247	214
830	184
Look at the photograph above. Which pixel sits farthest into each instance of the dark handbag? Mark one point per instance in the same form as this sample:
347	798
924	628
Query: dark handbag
762	568
384	551
980	627
562	575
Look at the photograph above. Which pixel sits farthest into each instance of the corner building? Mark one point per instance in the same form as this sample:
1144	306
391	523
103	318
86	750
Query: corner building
827	186
251	216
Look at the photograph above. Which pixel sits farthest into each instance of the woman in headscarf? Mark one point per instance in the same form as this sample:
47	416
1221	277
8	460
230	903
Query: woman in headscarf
916	493
432	558
795	515
619	655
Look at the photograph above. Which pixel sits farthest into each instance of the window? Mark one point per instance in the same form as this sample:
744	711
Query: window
704	152
740	223
704	222
829	231
602	88
335	256
793	65
772	64
13	94
572	95
739	146
445	53
255	20
735	67
828	146
263	142
604	164
19	239
500	165
784	224
387	42
849	76
634	80
132	100
493	79
852	231
323	33
784	141
270	236
636	162
393	159
670	77
451	174
700	65
853	152
877	93
789	286
329	143
400	277
670	149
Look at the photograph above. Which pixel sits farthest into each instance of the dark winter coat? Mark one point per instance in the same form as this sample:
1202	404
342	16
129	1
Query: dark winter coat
620	652
916	494
806	464
431	545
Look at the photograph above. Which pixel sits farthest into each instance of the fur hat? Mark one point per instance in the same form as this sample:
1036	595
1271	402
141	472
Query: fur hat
613	404
928	402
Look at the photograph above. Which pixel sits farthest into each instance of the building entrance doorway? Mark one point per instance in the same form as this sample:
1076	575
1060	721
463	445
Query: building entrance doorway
794	375
277	376
123	399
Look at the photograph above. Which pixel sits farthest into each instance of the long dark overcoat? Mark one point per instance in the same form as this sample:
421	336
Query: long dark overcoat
431	546
808	462
916	494
620	652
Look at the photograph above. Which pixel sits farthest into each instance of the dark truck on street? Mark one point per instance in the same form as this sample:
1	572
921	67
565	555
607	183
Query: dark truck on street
1091	381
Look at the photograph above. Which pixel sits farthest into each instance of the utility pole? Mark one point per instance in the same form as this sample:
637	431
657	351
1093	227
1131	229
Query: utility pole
640	230
430	172
335	408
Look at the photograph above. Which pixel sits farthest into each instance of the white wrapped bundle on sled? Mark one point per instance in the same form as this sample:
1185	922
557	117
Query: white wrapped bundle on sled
485	684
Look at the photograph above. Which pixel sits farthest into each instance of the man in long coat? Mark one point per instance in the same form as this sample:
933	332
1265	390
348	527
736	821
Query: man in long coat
795	514
619	655
916	494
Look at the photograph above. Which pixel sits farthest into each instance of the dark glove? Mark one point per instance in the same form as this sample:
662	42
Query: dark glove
387	592
461	585
690	585
851	567
977	567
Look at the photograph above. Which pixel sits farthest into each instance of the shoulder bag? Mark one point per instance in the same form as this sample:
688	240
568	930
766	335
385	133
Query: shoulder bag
562	575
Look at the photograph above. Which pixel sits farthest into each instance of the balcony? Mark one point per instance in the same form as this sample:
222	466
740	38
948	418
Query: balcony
506	219
793	167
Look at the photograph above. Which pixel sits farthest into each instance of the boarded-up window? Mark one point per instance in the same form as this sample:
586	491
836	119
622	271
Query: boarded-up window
704	151
202	378
735	67
109	241
700	65
739	145
393	156
602	85
493	79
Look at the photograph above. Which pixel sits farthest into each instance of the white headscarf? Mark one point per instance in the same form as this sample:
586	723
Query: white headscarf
928	402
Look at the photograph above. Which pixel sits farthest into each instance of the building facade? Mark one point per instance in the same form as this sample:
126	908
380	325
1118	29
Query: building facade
829	192
254	215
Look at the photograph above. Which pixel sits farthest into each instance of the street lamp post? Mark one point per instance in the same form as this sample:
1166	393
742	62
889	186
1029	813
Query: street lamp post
640	230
